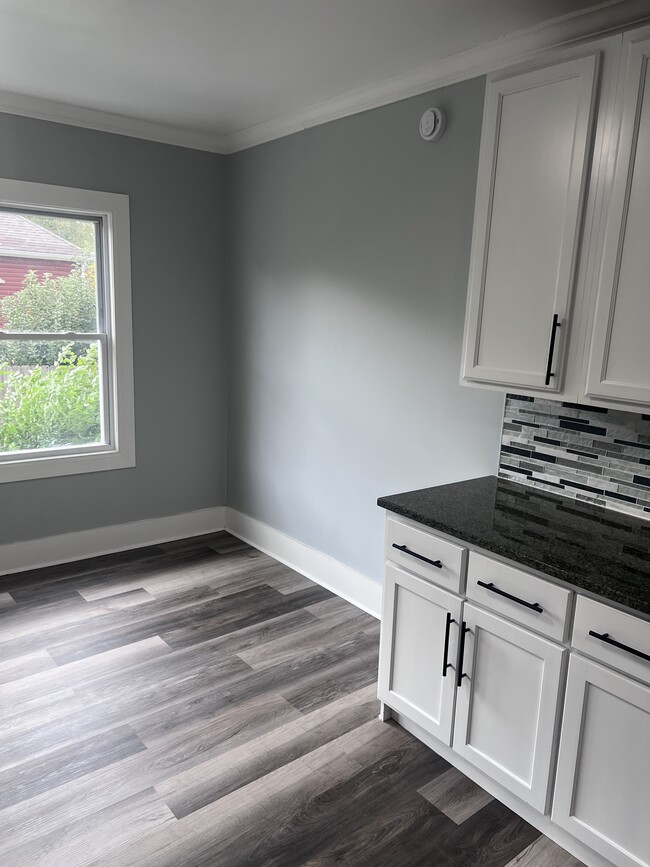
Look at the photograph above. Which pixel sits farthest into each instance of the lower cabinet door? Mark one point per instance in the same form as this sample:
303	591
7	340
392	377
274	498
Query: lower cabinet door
602	792
419	631
506	705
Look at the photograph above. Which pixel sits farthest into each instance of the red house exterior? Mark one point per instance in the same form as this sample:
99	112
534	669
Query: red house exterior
25	247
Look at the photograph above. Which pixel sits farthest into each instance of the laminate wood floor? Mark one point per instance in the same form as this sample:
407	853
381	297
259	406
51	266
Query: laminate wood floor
198	703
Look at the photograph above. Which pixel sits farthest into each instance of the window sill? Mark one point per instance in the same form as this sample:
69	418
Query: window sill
66	465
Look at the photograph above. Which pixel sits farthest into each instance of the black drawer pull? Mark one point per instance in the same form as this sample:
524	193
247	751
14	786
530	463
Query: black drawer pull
551	349
464	629
445	653
532	605
419	556
605	637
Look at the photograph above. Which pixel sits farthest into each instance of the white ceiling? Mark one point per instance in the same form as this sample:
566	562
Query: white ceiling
221	66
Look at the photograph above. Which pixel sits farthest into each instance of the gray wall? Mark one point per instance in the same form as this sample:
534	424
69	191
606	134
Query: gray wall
177	232
348	274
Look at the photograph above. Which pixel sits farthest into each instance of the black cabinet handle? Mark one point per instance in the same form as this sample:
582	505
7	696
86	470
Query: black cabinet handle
532	605
419	556
549	364
445	653
464	629
605	637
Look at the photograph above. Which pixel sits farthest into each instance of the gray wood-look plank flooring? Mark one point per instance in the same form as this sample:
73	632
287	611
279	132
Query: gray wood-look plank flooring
197	704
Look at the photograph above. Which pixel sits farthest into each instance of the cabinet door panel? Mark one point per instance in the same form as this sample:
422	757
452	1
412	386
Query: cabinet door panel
413	628
506	706
532	170
602	793
619	364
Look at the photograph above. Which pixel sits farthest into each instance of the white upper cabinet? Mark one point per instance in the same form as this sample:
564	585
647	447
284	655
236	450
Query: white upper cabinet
619	360
532	176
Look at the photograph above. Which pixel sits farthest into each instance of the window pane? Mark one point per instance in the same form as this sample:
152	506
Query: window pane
48	272
50	394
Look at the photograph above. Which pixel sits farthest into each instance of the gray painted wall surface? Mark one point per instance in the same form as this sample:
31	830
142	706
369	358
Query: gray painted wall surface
177	231
348	277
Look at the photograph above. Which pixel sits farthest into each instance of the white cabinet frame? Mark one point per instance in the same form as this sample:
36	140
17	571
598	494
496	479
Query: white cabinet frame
597	810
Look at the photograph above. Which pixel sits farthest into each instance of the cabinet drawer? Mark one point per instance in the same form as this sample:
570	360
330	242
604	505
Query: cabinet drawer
634	633
419	551
519	596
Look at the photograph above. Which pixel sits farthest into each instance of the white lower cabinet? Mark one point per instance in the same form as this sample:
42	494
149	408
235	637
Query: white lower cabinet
419	640
602	793
482	671
506	704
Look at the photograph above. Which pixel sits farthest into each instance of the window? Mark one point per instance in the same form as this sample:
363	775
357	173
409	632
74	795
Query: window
66	358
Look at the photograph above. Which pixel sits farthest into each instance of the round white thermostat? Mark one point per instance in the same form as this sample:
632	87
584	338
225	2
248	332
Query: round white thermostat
432	124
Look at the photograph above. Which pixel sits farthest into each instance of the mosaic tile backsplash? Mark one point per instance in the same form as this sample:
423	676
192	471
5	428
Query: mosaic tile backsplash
598	455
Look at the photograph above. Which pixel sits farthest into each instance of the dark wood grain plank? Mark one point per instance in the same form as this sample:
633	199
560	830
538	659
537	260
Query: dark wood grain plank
70	571
406	833
492	836
334	812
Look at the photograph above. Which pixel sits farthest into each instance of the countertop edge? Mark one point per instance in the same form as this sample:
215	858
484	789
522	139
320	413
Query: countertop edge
554	573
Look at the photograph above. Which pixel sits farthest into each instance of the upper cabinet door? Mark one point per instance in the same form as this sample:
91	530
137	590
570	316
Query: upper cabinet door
619	362
531	184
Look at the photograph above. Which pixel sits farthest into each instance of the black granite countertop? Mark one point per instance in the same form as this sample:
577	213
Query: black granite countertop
589	547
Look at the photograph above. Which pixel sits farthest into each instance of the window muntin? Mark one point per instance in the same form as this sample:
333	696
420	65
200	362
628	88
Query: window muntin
66	381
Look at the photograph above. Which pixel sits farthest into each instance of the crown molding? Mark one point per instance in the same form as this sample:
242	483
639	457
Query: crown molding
608	17
88	118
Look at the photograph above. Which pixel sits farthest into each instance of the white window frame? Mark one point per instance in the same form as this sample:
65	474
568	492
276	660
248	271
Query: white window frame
119	450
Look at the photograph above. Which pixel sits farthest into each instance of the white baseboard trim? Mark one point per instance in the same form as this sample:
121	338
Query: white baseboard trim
33	554
68	547
324	570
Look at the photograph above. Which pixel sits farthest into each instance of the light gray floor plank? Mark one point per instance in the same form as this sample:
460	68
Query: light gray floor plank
310	637
544	853
455	795
18	667
6	600
86	839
